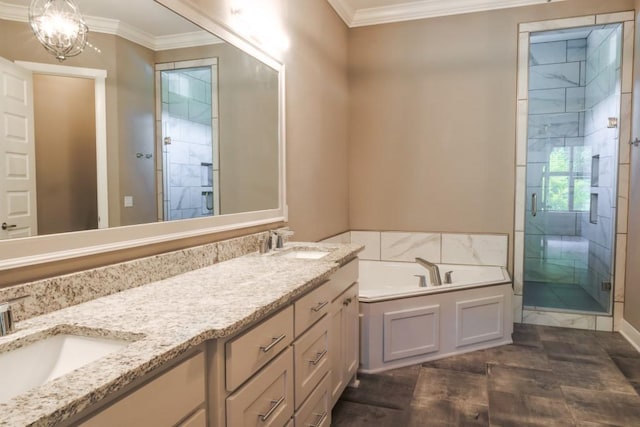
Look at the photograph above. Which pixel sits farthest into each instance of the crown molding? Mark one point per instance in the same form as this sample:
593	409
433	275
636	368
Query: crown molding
420	10
118	28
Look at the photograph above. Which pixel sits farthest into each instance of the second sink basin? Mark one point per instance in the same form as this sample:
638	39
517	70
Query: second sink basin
51	357
305	254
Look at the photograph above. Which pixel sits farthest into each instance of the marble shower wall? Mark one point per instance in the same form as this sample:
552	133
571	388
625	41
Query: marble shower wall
602	101
553	248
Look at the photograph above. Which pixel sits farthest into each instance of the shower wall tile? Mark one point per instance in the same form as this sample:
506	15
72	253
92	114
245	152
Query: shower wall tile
517	308
576	50
518	262
608	18
547	101
554	76
521	172
565	320
627	57
575	100
547	53
521	135
398	246
554	125
371	242
523	65
475	249
604	323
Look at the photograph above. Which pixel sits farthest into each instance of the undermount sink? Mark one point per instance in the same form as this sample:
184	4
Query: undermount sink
34	364
303	254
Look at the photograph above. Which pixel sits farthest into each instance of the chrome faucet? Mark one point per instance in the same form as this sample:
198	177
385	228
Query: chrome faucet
434	271
6	316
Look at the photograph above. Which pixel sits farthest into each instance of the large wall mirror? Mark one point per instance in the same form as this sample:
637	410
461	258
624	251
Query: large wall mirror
158	130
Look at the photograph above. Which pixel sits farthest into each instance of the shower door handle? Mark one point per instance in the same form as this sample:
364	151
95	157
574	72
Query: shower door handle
534	204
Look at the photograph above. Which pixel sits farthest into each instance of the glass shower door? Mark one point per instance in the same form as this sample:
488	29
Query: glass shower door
574	98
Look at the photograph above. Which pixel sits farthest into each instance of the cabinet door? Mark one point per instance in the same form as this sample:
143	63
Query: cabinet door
336	348
351	319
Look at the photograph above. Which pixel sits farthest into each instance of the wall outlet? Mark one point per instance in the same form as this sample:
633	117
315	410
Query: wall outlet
128	201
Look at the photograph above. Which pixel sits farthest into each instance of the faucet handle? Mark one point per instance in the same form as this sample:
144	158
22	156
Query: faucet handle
6	315
423	280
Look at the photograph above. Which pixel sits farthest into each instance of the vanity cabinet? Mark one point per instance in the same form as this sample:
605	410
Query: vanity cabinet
174	398
281	371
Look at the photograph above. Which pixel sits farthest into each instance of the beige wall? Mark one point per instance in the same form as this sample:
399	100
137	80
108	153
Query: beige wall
632	275
432	119
65	136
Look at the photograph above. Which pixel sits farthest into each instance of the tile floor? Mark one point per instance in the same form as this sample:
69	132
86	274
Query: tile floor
559	295
548	377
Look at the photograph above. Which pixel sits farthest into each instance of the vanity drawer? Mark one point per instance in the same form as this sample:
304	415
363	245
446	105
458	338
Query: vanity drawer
311	307
162	402
249	352
316	411
340	281
311	359
199	419
267	398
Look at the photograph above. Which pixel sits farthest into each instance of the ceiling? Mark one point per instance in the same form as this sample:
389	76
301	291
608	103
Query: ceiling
142	21
358	13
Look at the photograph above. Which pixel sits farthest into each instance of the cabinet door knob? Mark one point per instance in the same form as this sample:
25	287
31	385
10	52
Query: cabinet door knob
6	226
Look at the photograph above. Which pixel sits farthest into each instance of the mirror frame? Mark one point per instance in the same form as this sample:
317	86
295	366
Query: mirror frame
59	247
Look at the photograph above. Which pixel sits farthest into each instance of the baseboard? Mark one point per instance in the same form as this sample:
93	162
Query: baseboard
630	333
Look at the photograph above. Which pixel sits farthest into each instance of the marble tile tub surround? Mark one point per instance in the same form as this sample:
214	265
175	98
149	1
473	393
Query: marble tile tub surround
446	248
166	318
55	293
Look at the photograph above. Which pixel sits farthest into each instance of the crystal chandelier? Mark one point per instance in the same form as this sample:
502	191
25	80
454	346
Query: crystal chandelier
59	26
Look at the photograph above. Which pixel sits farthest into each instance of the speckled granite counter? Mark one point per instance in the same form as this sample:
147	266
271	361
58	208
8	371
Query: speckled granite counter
168	317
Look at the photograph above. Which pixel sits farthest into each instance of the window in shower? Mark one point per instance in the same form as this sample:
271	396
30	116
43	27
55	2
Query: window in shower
566	179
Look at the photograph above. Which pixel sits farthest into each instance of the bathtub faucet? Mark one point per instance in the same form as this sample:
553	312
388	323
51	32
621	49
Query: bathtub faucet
434	271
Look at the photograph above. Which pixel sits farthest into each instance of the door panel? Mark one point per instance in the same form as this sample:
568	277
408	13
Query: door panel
17	153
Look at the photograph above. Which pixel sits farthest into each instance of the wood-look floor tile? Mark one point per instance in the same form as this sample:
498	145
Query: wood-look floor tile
352	414
391	389
518	356
615	344
474	362
523	381
630	367
591	374
508	409
449	413
445	384
602	406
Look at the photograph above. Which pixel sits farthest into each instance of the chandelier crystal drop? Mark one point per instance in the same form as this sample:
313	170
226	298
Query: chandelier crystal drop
59	26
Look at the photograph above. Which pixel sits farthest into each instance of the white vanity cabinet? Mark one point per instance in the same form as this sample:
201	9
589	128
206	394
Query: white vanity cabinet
281	371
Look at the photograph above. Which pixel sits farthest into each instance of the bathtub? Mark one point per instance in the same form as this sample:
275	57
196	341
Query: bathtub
403	323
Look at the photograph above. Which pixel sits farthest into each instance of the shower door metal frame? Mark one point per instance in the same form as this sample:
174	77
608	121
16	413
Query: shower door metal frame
599	322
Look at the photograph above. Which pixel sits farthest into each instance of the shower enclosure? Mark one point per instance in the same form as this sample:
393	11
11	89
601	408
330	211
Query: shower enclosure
571	169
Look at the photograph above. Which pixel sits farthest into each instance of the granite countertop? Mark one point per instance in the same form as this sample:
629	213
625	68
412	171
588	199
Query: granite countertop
163	320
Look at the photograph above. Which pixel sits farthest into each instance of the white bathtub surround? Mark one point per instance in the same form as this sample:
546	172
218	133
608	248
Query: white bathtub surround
405	331
339	238
371	242
475	249
399	246
450	248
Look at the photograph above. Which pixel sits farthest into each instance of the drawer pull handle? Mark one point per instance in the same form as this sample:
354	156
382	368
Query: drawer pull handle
347	301
321	418
319	357
320	306
273	343
274	406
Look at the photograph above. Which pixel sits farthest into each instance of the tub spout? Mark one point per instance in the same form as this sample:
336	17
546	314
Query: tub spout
434	272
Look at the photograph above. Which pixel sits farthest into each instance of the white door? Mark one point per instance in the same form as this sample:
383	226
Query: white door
17	153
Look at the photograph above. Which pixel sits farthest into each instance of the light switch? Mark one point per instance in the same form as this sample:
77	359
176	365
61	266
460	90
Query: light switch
128	201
